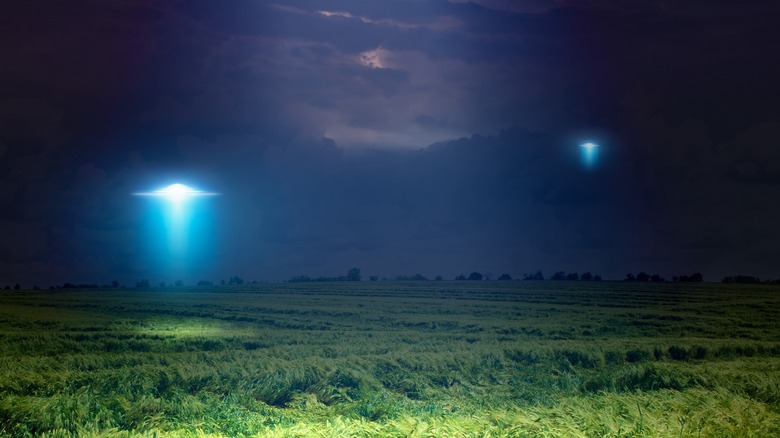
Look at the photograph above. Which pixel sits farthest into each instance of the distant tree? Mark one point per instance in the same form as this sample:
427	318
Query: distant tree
743	279
438	278
656	278
630	277
142	283
236	280
353	274
643	276
533	277
488	276
373	278
597	278
504	277
179	283
415	277
114	283
162	284
460	277
475	276
693	278
586	276
573	276
299	279
17	286
560	275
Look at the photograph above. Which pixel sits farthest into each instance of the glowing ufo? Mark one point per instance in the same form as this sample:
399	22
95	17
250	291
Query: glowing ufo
589	153
176	192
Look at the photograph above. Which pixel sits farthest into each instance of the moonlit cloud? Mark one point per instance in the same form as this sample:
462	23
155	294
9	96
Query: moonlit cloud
437	136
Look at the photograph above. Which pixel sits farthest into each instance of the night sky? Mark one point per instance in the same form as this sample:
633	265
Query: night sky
399	137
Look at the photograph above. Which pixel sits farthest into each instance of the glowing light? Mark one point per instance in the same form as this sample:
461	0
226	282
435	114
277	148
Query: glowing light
181	220
176	192
589	153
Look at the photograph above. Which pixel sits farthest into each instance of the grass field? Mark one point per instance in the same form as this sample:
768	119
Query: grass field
481	359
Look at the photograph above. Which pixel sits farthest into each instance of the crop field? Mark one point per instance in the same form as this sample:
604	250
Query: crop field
352	359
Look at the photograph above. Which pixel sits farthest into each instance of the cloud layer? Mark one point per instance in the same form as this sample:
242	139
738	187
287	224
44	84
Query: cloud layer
332	131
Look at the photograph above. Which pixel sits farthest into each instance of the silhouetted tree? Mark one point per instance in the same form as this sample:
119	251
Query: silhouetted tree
415	277
353	274
17	286
536	276
236	280
693	278
504	277
630	277
438	278
373	278
179	283
573	276
142	283
114	283
475	276
460	277
586	276
656	278
558	276
743	279
643	276
597	278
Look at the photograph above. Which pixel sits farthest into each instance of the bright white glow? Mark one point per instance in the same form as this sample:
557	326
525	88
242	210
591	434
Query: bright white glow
176	192
589	146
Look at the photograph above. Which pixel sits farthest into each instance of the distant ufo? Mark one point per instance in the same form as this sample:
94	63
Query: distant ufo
176	192
589	150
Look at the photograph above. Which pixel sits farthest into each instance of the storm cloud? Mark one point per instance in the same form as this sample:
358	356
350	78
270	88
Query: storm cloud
401	137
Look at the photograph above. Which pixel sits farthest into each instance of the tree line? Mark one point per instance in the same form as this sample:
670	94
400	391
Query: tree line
354	274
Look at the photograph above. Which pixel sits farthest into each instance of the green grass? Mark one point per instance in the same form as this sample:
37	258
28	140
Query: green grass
481	359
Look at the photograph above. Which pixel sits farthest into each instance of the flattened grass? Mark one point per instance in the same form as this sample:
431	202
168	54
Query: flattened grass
393	359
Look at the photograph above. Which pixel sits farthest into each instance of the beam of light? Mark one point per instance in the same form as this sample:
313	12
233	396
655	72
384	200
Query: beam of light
181	219
589	153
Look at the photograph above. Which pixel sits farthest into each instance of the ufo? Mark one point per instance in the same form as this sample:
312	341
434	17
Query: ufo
176	192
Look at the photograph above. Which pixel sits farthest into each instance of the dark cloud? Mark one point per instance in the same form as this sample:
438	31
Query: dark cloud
328	128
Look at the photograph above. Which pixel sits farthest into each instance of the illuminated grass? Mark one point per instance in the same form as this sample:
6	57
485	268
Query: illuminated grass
392	359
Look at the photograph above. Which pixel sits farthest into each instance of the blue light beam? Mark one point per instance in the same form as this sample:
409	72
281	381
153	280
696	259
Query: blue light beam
178	215
589	154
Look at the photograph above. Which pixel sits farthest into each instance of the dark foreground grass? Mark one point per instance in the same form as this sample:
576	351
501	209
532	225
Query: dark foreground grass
393	359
